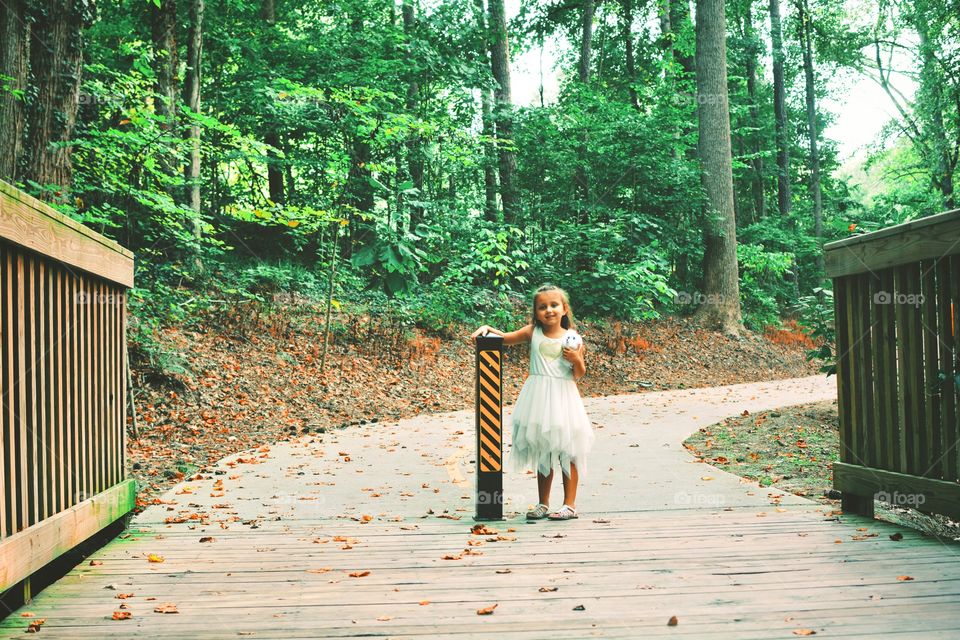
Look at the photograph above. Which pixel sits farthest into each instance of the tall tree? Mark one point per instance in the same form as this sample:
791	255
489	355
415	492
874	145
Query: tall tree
486	118
268	12
806	37
414	144
780	111
720	272
14	65
163	22
627	29
586	50
191	172
56	57
752	53
500	64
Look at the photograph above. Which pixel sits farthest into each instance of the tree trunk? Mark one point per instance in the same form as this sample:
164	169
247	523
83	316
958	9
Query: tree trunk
500	65
486	104
780	112
14	63
586	48
56	57
806	37
271	137
752	53
628	48
931	82
721	309
586	40
191	173
414	144
680	23
164	29
192	99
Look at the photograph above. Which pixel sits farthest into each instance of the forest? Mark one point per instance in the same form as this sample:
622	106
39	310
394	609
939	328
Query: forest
370	156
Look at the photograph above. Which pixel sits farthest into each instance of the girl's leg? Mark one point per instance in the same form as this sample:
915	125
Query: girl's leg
570	487
543	485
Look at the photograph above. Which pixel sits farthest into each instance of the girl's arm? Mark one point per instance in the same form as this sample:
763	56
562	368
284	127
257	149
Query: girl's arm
524	334
575	357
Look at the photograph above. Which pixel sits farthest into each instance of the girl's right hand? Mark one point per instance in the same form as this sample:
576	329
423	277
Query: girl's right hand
479	332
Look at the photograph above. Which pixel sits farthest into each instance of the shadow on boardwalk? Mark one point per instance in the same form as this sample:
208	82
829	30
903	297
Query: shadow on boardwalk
278	542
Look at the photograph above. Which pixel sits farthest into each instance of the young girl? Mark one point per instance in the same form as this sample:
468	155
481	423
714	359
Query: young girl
549	421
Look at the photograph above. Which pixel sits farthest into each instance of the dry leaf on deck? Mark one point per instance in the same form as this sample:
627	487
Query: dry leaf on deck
486	611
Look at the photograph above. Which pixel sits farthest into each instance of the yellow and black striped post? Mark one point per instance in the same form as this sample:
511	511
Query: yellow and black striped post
489	432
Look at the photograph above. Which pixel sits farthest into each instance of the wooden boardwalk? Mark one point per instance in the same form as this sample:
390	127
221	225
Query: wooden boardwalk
277	543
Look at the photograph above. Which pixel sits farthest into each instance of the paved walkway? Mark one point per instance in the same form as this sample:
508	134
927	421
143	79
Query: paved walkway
278	543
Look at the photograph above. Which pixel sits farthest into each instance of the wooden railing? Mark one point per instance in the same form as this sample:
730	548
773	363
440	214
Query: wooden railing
897	302
62	366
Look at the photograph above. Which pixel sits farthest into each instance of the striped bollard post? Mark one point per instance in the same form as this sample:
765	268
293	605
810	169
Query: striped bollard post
489	497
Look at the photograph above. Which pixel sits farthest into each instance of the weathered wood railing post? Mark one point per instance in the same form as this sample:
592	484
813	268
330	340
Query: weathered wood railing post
63	338
897	298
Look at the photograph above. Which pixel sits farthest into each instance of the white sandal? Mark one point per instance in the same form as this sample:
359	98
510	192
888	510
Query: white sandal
566	512
539	512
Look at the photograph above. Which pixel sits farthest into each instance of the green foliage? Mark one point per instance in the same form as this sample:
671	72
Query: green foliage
761	271
817	317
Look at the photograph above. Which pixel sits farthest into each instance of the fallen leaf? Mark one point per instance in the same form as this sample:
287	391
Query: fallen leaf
804	632
504	571
123	596
34	626
207	539
359	574
896	537
579	607
486	611
385	618
904	578
166	607
672	622
450	557
122	615
547	589
154	558
323	570
424	603
96	563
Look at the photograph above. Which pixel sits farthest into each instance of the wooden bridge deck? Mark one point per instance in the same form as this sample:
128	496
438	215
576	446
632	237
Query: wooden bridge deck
276	544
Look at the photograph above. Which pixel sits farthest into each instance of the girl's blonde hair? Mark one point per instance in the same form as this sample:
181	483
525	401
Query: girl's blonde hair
567	321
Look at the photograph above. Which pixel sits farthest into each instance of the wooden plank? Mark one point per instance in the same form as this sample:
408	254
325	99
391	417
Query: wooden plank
6	387
931	237
72	383
933	450
20	442
34	225
124	405
30	550
914	380
939	496
865	431
843	362
890	393
905	405
59	425
44	472
953	454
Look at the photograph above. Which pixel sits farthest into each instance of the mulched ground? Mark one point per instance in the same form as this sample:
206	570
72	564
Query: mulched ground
793	448
244	381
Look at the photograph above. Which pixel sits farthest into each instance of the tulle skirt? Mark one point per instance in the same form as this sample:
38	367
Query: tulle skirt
550	425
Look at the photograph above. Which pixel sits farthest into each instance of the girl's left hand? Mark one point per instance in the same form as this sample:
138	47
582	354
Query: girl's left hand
573	356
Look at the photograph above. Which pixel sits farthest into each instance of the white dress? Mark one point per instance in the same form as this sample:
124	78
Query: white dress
549	421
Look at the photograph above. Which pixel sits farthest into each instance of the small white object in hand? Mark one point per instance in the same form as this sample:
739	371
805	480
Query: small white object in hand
572	340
